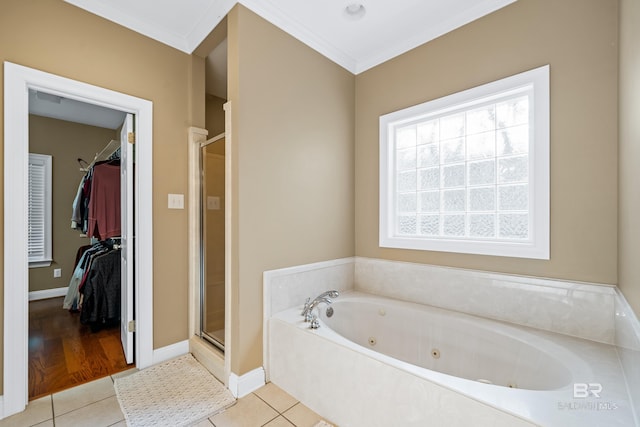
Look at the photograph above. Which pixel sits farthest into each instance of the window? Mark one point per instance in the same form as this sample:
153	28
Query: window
469	172
39	210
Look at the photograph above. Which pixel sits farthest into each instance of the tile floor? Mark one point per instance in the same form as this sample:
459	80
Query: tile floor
95	404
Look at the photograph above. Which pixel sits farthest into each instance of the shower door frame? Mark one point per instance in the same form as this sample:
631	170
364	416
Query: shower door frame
203	277
221	361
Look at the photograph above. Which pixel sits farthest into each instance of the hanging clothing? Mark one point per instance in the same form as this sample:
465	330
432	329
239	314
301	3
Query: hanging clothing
101	292
71	300
104	201
94	288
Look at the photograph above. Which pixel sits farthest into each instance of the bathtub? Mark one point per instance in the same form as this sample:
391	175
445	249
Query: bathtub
382	362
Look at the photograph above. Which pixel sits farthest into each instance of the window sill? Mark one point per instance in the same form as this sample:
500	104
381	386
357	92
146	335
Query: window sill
39	264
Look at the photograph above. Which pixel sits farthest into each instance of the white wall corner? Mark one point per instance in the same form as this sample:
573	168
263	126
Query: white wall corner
240	386
170	352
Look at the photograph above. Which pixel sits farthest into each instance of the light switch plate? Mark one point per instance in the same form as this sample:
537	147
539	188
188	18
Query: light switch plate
57	272
176	201
213	203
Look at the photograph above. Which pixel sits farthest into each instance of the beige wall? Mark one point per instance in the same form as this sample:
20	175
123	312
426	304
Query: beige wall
215	116
578	38
629	175
65	142
293	165
59	38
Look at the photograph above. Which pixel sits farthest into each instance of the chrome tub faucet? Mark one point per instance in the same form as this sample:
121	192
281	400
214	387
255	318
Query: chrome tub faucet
307	311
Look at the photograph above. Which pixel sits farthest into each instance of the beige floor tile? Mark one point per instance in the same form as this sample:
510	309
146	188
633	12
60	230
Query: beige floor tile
275	397
249	411
99	414
37	411
85	394
203	423
122	423
279	422
125	373
48	423
301	416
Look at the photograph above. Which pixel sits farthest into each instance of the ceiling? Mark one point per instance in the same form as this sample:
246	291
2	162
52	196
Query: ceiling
375	31
57	107
387	29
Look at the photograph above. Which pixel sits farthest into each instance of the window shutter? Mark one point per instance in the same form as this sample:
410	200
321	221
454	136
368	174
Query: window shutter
39	208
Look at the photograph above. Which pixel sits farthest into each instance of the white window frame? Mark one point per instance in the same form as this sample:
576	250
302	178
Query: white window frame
537	245
45	258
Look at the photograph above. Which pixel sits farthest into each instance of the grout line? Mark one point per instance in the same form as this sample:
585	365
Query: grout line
267	403
272	419
88	404
53	412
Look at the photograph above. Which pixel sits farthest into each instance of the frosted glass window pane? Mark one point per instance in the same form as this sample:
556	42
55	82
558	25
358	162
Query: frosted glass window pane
513	169
513	197
453	225
513	226
430	225
512	112
482	199
482	172
452	151
406	137
452	126
481	119
407	224
406	159
481	145
514	140
428	132
428	155
429	201
482	225
407	202
429	178
407	181
453	200
453	176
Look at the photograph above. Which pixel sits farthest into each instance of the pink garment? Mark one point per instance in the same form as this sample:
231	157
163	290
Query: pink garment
104	203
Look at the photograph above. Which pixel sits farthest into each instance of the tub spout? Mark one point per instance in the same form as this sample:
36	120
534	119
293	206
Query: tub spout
324	297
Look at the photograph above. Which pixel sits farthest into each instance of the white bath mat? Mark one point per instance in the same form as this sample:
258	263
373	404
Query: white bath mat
178	392
323	424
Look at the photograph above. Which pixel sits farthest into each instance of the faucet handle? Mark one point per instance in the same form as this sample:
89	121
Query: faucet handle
315	323
306	306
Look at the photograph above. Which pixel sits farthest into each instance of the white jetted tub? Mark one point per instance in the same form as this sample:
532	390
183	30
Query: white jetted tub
382	362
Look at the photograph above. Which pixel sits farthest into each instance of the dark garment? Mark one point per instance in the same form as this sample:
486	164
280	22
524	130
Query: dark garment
101	303
81	251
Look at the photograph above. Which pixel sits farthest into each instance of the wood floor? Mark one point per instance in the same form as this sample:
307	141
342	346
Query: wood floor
64	353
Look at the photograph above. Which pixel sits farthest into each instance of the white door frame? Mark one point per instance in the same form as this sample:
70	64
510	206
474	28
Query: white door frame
17	82
198	137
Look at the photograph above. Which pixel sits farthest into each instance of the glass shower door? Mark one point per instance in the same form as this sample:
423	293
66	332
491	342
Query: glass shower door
212	315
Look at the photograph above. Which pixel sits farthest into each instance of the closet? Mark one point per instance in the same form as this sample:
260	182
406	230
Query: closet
95	286
76	335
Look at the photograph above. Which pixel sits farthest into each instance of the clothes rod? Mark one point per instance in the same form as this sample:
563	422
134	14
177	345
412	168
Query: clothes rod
106	152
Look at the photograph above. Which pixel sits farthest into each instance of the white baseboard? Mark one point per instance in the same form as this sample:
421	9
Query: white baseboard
48	293
170	352
240	386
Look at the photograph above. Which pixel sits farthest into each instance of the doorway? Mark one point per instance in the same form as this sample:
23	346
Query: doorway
18	81
75	292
